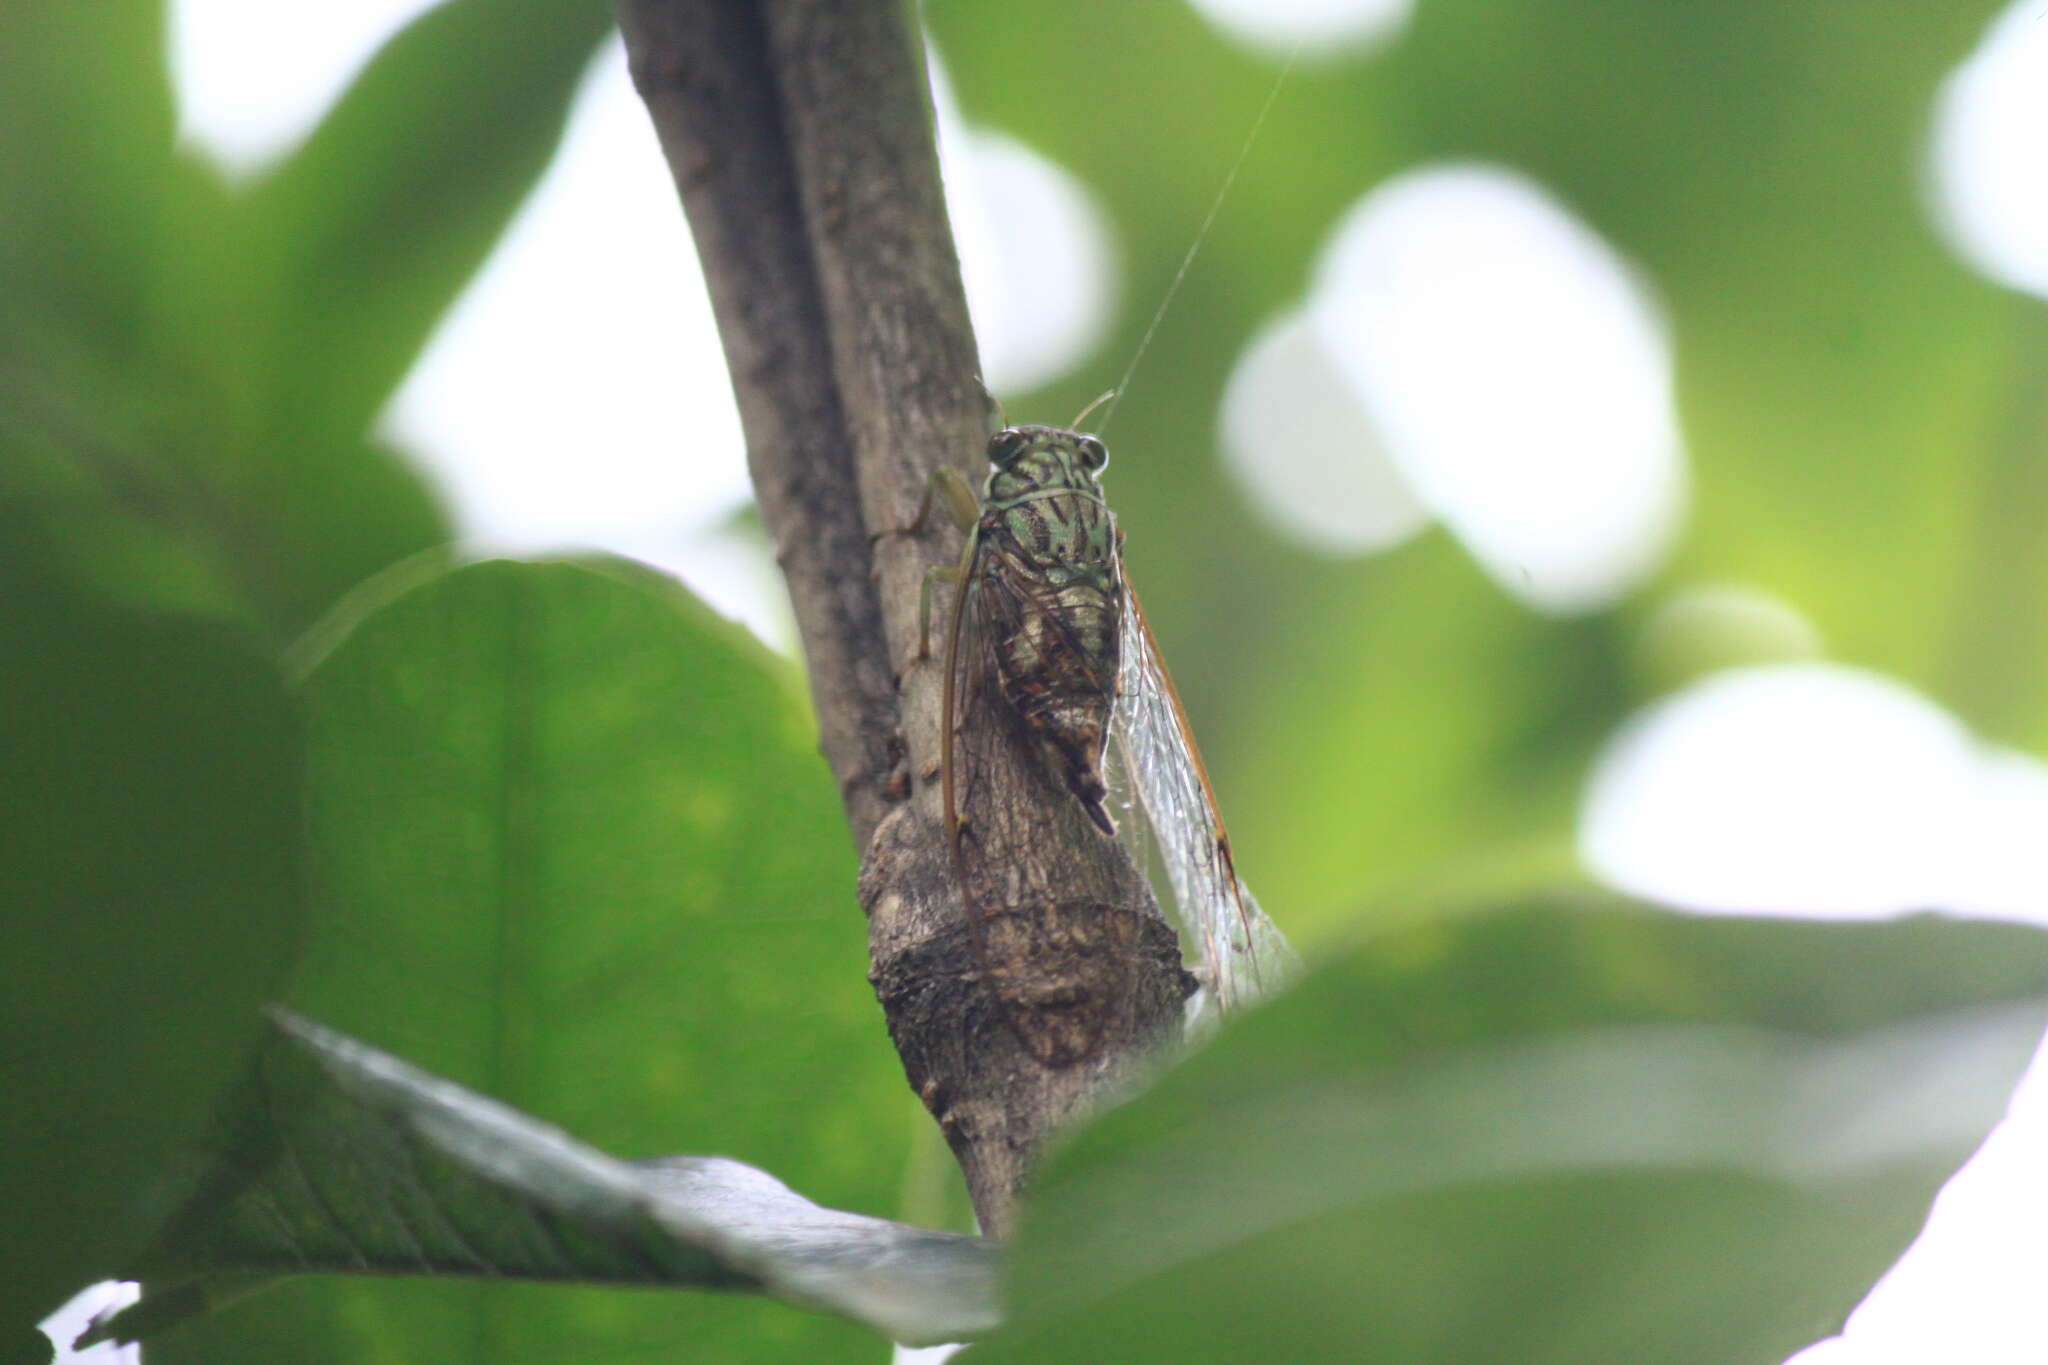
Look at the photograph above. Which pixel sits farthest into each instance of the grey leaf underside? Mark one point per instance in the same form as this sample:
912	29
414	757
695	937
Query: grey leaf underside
346	1159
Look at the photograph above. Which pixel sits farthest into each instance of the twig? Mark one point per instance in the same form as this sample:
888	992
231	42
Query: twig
799	133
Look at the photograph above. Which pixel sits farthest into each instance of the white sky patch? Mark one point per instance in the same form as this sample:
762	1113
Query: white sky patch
575	398
1815	789
1317	29
1304	449
1969	1288
64	1326
1035	250
1522	375
576	395
254	76
1988	165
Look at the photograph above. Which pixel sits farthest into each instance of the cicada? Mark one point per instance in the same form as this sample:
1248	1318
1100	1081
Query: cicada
1045	623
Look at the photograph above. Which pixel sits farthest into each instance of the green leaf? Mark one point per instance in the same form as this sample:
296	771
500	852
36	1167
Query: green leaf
391	206
574	848
1571	1131
141	340
351	1161
130	510
31	1348
150	866
85	152
110	516
317	515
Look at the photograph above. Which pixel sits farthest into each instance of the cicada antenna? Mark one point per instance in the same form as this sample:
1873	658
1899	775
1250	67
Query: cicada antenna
1123	385
1082	415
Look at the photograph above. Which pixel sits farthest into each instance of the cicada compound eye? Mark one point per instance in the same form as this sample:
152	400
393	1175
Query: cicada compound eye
1094	455
1006	445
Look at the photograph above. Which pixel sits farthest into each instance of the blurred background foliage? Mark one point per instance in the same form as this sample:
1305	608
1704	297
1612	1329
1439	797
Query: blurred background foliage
191	477
1862	414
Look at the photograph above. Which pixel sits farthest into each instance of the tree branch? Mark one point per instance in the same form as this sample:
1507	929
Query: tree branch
703	70
799	134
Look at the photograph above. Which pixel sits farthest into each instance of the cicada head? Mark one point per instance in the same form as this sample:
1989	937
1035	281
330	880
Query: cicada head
1033	459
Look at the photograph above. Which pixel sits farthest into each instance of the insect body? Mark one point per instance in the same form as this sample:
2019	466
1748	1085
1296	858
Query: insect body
1045	616
1047	586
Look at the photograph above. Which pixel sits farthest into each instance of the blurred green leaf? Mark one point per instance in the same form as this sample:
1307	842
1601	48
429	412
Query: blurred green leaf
1999	657
33	1349
318	513
215	356
100	212
1483	765
348	1160
380	220
150	866
138	502
574	848
84	152
1570	1131
80	478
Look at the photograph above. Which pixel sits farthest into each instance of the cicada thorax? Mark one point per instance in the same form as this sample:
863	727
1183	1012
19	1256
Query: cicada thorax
1050	550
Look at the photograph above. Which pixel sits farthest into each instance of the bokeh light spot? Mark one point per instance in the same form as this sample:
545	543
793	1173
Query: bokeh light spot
1306	451
1714	626
1035	251
1316	30
1521	375
1990	120
1815	789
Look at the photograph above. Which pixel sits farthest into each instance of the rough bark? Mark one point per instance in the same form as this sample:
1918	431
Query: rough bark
799	135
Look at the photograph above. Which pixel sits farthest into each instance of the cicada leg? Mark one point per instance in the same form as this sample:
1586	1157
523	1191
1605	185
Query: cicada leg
949	483
937	573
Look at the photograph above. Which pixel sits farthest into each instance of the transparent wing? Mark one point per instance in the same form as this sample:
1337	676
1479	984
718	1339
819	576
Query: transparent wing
1243	955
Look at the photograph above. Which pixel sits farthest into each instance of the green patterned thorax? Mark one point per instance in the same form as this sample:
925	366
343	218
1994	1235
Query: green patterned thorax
1047	565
